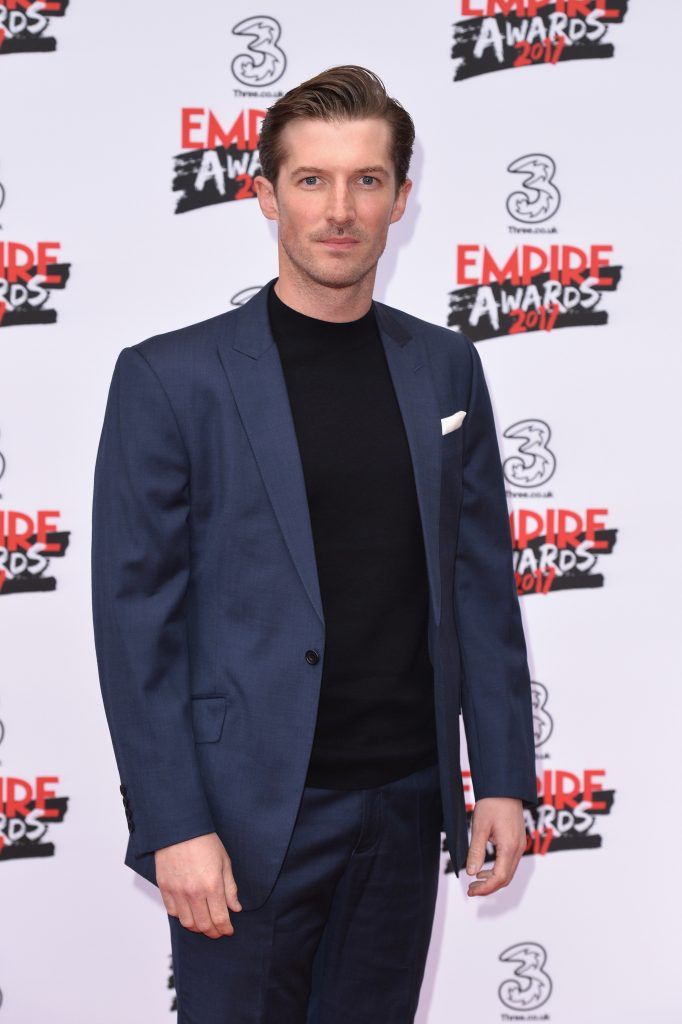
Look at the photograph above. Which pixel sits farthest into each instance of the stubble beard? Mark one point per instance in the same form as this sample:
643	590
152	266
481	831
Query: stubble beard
308	267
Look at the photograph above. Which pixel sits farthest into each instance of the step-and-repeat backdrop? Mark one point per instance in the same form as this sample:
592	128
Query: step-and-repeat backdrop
544	223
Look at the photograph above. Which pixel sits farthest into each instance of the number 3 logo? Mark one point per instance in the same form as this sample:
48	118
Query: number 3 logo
265	62
540	198
534	462
531	986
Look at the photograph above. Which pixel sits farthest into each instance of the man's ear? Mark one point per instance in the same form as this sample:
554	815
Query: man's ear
267	199
400	201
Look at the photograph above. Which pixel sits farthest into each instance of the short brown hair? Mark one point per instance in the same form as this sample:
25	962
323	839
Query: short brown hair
346	92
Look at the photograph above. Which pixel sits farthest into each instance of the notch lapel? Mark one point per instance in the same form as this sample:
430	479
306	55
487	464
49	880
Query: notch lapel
250	358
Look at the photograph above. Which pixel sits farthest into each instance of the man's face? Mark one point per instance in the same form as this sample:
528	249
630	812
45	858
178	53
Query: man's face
336	196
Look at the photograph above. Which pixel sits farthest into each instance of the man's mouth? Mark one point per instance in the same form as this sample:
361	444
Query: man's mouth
340	243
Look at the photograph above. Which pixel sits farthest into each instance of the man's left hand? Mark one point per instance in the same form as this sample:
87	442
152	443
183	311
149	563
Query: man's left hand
500	820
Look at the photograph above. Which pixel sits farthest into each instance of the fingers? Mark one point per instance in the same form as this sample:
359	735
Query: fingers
477	856
204	912
210	914
169	902
197	885
500	875
230	888
184	914
219	914
500	821
219	900
206	909
506	861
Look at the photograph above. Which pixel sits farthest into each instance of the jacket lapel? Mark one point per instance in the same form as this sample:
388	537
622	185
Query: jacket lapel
251	362
418	401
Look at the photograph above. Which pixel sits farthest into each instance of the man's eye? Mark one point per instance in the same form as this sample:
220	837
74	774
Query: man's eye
367	179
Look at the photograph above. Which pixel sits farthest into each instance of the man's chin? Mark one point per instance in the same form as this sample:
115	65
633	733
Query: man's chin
337	277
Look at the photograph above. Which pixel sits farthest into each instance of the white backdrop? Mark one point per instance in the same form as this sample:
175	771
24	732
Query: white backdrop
90	141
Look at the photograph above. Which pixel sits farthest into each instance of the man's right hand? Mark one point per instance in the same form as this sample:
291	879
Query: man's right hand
197	885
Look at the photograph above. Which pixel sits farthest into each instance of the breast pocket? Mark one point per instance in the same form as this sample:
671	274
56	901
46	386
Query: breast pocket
208	717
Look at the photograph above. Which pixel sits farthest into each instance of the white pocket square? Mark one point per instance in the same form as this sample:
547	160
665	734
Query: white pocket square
452	422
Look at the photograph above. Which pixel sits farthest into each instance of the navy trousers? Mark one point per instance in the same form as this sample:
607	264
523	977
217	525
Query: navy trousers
344	935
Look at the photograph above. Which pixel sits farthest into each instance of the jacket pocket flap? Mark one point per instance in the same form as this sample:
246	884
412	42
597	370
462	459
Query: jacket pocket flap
208	716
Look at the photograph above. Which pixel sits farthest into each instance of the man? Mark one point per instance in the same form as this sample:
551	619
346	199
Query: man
302	571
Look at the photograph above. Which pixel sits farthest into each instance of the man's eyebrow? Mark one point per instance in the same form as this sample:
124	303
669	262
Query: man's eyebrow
321	170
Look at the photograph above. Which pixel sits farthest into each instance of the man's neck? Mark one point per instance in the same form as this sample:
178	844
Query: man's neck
338	305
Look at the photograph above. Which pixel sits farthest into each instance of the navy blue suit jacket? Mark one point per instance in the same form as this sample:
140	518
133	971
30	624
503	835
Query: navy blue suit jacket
206	602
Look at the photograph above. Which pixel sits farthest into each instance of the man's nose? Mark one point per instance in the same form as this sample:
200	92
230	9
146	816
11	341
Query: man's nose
341	208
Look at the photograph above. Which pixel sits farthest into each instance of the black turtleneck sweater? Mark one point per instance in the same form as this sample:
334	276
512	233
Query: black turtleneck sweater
375	719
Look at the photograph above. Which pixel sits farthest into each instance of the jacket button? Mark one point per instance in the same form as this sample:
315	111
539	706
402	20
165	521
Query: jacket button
312	657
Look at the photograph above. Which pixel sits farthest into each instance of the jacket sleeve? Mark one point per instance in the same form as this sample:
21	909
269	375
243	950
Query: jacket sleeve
495	689
139	572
